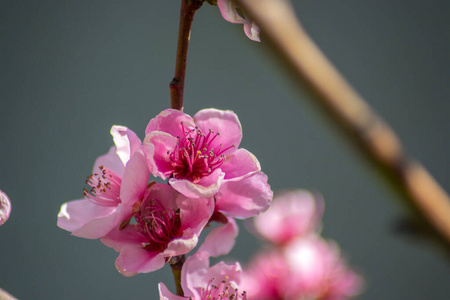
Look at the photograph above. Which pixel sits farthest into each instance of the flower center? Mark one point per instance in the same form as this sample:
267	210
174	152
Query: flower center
105	188
157	224
223	291
193	157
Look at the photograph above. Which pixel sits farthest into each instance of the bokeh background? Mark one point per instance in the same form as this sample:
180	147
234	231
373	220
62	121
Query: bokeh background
69	70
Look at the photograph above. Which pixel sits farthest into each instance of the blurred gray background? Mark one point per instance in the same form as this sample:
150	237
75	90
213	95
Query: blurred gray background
69	70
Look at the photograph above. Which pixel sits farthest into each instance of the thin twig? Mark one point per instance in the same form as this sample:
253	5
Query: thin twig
176	263
188	9
371	134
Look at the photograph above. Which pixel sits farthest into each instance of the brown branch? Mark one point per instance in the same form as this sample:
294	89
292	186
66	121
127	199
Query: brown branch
188	9
176	263
370	133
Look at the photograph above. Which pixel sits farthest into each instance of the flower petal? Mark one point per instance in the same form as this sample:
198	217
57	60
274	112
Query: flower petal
252	31
126	142
195	213
244	198
119	238
292	214
134	182
85	219
193	190
192	274
224	122
228	10
196	275
134	259
221	239
110	160
165	194
182	245
158	145
5	208
220	271
170	121
240	163
165	294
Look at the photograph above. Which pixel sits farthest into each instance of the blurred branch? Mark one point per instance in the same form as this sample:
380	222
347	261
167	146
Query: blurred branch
6	296
371	134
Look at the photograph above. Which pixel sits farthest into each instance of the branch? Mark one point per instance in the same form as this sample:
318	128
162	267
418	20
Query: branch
188	9
370	134
176	263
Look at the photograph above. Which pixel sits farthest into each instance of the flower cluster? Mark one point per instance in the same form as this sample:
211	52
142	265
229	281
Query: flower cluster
209	178
300	264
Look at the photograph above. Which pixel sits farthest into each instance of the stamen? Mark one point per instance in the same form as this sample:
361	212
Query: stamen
193	157
223	291
157	224
105	188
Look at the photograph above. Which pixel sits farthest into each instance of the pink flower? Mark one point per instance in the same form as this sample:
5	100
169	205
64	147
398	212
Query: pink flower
229	11
291	215
317	270
201	157
167	224
221	239
265	276
114	189
5	208
307	268
200	282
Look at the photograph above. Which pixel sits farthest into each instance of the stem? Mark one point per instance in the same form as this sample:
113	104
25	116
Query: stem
176	263
370	134
188	9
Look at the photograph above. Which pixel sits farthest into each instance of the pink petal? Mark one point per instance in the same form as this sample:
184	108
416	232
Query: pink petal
126	142
315	266
5	208
292	214
134	259
221	271
192	274
192	190
195	213
110	160
252	31
165	294
245	198
85	219
158	146
240	163
165	194
224	122
266	274
228	10
182	245
119	238
169	121
134	182
196	274
221	239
